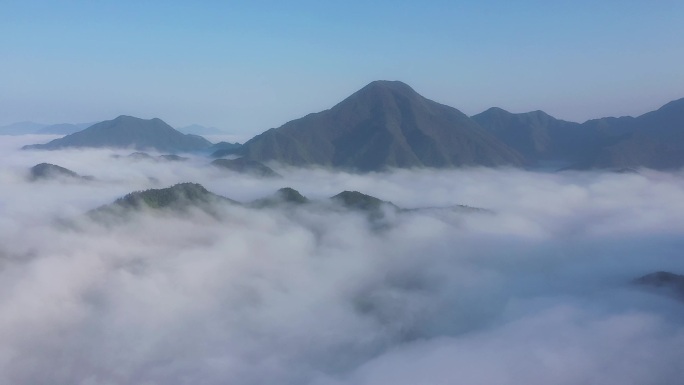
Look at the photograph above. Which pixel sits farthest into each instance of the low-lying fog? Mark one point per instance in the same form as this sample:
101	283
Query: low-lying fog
535	291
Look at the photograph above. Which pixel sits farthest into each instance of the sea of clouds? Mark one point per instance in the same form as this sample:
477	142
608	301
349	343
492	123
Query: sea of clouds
534	290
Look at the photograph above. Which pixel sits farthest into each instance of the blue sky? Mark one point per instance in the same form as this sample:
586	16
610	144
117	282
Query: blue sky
246	66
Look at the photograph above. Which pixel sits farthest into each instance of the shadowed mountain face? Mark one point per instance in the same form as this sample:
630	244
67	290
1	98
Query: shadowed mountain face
385	124
129	132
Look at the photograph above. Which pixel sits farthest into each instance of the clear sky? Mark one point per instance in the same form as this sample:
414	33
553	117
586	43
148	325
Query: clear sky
246	66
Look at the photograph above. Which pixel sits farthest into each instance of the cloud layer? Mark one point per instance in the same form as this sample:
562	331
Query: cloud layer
536	291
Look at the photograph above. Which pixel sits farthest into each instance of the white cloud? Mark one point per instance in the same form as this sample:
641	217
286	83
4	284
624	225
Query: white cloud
535	292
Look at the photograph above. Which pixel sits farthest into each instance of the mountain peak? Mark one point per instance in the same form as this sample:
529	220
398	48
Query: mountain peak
395	85
380	94
494	111
384	87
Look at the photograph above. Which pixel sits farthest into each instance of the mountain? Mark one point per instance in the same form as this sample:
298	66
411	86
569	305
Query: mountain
285	195
245	166
45	171
653	140
179	197
196	129
222	149
373	208
540	137
129	132
143	156
139	155
173	158
663	280
21	128
385	124
360	201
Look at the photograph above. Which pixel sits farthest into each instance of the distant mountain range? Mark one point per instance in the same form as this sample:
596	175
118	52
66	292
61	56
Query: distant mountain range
654	140
25	128
63	128
21	128
387	124
129	132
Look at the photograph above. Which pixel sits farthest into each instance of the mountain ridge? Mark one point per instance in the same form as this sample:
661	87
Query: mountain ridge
387	124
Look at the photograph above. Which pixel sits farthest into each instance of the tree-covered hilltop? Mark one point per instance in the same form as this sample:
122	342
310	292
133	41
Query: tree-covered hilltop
179	197
285	195
182	193
246	166
47	171
360	201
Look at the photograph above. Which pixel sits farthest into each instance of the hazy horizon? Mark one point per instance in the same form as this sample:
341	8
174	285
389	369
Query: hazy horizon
247	135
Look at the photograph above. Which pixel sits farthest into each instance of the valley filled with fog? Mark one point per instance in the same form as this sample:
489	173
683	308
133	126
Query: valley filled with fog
536	287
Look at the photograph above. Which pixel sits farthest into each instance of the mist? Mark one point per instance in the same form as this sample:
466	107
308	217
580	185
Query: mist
534	289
